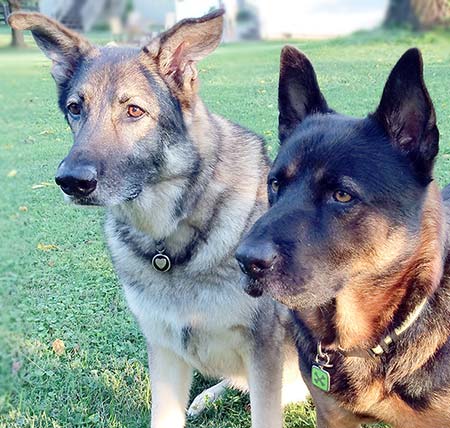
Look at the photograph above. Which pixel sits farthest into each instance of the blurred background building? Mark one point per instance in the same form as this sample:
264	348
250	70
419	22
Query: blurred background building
317	18
137	20
246	19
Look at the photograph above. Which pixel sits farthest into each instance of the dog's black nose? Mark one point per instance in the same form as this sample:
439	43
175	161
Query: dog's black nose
80	180
256	258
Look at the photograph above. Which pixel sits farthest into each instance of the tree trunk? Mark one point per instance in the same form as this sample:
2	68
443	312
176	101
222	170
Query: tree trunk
400	13
17	39
418	14
431	13
17	36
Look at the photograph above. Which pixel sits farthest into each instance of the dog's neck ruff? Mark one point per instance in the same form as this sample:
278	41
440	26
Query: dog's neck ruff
321	378
386	342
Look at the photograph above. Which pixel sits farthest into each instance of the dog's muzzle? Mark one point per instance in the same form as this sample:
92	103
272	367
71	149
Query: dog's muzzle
255	259
79	180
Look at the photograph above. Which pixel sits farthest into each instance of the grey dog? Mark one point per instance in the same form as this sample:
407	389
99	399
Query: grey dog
180	186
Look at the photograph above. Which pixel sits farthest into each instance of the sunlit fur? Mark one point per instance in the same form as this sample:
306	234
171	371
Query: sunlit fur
192	179
352	272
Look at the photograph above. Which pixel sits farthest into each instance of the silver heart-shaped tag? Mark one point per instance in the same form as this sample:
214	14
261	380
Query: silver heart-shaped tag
161	263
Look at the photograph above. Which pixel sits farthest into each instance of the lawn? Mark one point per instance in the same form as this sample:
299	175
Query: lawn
71	354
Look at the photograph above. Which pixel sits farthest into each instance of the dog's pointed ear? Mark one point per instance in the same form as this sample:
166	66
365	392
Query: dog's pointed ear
177	51
298	91
407	114
63	46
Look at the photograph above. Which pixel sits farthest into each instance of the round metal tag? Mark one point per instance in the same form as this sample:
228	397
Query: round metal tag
161	263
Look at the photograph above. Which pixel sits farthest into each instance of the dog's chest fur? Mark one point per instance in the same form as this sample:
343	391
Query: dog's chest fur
198	309
204	317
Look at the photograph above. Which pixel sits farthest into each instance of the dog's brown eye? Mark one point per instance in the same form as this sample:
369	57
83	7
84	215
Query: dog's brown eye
275	185
135	111
74	109
342	197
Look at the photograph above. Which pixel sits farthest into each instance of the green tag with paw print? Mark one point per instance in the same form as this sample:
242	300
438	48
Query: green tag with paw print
320	378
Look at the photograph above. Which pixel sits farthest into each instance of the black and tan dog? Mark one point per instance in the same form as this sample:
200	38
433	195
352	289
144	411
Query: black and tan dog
355	242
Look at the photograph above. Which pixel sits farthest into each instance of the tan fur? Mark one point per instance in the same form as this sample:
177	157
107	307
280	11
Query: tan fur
402	416
388	408
68	39
177	51
358	317
363	312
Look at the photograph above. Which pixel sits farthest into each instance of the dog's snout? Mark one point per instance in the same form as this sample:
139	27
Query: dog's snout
256	258
79	180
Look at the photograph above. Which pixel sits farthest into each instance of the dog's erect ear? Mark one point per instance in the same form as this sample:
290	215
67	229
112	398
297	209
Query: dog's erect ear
63	46
407	114
298	91
177	50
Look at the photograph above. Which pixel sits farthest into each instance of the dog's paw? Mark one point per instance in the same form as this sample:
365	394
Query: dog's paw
207	397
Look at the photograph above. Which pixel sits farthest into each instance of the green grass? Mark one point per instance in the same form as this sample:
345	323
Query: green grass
56	280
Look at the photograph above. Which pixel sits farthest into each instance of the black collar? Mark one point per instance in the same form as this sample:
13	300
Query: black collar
382	347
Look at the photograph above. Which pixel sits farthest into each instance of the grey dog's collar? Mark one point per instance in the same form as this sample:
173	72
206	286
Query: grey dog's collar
161	262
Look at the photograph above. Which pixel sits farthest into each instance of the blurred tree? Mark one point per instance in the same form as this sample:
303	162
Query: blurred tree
418	14
17	36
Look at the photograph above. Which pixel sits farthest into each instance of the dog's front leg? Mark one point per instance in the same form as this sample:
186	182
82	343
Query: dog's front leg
327	422
330	415
265	381
170	379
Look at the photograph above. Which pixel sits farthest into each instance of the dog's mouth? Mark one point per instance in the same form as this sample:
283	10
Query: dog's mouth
252	286
295	295
86	201
83	201
95	200
267	284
